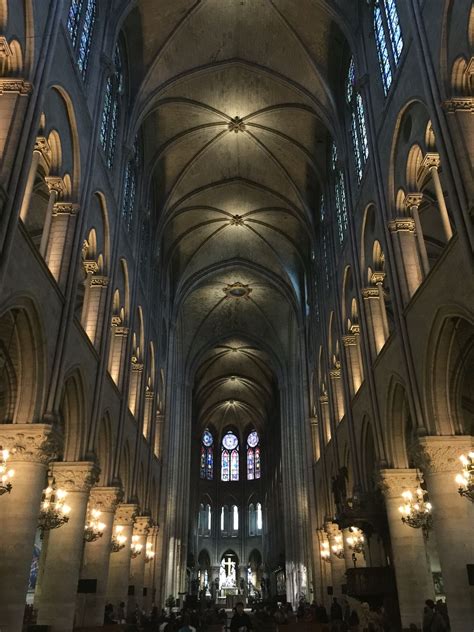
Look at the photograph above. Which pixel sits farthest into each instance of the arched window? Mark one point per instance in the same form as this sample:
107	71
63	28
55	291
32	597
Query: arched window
339	194
80	25
388	38
130	186
253	456
207	456
223	521
235	518
255	519
358	127
114	89
209	518
259	518
230	457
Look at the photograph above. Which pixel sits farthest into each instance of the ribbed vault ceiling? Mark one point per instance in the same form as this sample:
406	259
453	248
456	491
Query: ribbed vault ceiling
236	103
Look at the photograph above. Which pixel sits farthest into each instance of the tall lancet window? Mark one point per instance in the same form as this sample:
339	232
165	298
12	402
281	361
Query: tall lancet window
207	456
130	183
80	25
114	89
254	467
339	194
230	457
388	39
358	127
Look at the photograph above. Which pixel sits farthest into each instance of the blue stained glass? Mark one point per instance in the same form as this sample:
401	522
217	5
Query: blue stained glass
104	125
350	81
362	127
258	468
250	464
382	50
225	466
203	463
322	209
355	144
234	465
394	29
210	464
253	439
207	438
230	441
340	195
86	37
73	19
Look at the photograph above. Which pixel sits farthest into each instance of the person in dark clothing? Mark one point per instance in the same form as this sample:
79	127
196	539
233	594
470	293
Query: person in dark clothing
240	621
432	620
336	610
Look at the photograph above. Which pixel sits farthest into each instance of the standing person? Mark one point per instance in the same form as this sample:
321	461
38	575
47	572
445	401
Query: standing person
432	620
442	608
336	615
240	621
121	612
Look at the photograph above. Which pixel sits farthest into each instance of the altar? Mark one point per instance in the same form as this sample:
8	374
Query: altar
229	593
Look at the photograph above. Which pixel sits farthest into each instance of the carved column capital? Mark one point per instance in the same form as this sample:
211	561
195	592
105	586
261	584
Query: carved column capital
141	525
394	482
332	530
65	208
77	476
106	498
459	104
431	161
99	281
5	50
30	442
349	340
442	453
413	200
16	86
370	292
402	224
335	374
377	278
125	514
56	184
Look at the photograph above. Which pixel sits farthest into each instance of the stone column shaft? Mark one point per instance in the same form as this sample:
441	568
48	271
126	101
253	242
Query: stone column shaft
338	565
432	161
408	259
119	567
57	601
453	523
30	446
412	571
137	564
412	202
97	558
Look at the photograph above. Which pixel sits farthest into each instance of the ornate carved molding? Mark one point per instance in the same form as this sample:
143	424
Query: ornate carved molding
136	366
237	220
99	281
459	104
393	482
402	224
370	292
106	498
324	399
142	525
442	453
65	208
43	147
77	476
236	125
413	200
431	161
335	374
377	277
332	530
17	86
38	443
56	184
5	50
125	514
121	331
349	340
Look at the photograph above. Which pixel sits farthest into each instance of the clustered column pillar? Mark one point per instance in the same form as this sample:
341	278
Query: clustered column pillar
338	564
150	570
412	571
453	523
57	601
119	568
97	556
407	255
137	563
30	448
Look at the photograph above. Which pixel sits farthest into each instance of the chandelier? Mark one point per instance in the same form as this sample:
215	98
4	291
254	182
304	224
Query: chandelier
355	541
118	539
94	529
136	547
149	553
54	512
416	510
338	547
325	552
466	479
5	474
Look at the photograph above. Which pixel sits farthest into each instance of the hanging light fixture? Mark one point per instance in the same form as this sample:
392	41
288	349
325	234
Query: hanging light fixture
94	529
338	547
465	480
118	539
355	541
416	510
54	511
136	547
5	474
149	553
325	552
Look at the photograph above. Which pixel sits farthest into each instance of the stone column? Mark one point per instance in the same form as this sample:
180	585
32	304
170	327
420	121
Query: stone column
315	438
326	418
453	523
412	570
137	564
56	188
58	251
412	202
42	149
119	567
407	256
31	447
147	413
94	302
118	344
431	161
337	392
97	557
159	434
57	601
351	348
150	568
371	296
13	91
325	575
338	565
134	387
378	279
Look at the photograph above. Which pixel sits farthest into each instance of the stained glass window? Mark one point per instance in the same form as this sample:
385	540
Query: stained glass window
80	25
130	186
230	457
253	456
225	466
114	89
340	195
207	456
234	465
358	127
388	38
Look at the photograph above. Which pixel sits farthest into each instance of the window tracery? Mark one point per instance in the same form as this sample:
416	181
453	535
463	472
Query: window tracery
80	25
114	90
253	456
388	39
207	456
339	194
358	126
230	457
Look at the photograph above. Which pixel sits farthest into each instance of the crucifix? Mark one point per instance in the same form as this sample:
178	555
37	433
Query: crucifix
229	565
